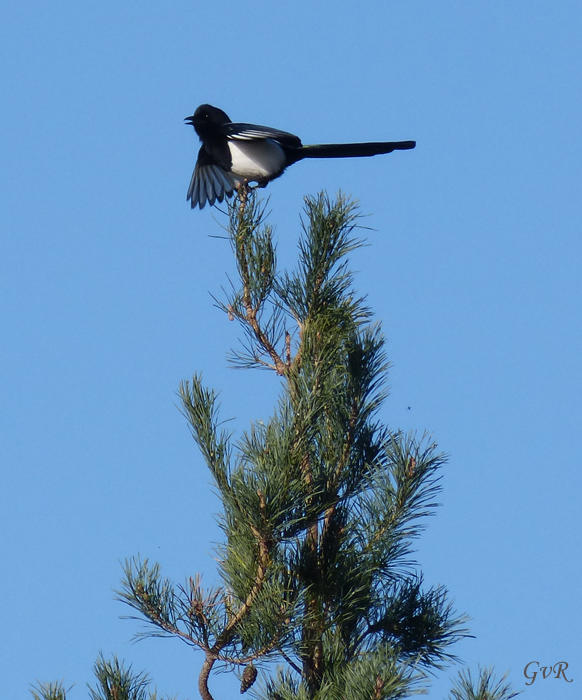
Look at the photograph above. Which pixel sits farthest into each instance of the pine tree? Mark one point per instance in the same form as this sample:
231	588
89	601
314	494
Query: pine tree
321	504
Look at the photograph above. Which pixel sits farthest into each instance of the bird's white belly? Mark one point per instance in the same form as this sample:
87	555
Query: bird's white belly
256	160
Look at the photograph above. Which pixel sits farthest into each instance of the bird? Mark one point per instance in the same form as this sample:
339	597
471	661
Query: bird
234	154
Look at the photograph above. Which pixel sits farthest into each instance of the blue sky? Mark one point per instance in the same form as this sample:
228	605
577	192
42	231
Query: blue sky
473	268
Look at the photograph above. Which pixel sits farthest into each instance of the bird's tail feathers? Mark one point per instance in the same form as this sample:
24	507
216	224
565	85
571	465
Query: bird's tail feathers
353	150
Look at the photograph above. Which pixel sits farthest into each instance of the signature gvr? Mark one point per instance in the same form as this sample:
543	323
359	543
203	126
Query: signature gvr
532	669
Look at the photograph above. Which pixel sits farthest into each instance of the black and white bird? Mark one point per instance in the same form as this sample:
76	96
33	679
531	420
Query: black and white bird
235	153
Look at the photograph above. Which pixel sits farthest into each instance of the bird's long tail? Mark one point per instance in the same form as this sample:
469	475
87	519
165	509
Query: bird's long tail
352	150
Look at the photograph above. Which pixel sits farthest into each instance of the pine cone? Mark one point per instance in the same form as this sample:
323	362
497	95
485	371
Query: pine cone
249	676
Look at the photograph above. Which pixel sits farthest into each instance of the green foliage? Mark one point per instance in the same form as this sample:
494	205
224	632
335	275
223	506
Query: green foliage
485	687
49	691
115	681
378	673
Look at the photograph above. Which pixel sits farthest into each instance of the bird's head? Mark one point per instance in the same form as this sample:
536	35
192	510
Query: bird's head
205	117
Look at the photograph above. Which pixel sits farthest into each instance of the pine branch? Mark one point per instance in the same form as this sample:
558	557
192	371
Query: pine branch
201	410
422	625
115	681
255	257
228	632
49	691
485	687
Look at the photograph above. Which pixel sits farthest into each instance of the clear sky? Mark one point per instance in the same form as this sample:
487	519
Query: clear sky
473	268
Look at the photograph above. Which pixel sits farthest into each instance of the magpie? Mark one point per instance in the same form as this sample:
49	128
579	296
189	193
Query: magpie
234	153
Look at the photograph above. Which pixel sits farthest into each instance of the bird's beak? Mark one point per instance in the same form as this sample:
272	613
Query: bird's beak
190	120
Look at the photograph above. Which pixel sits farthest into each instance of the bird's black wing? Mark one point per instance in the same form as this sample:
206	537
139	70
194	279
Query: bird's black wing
209	182
248	132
